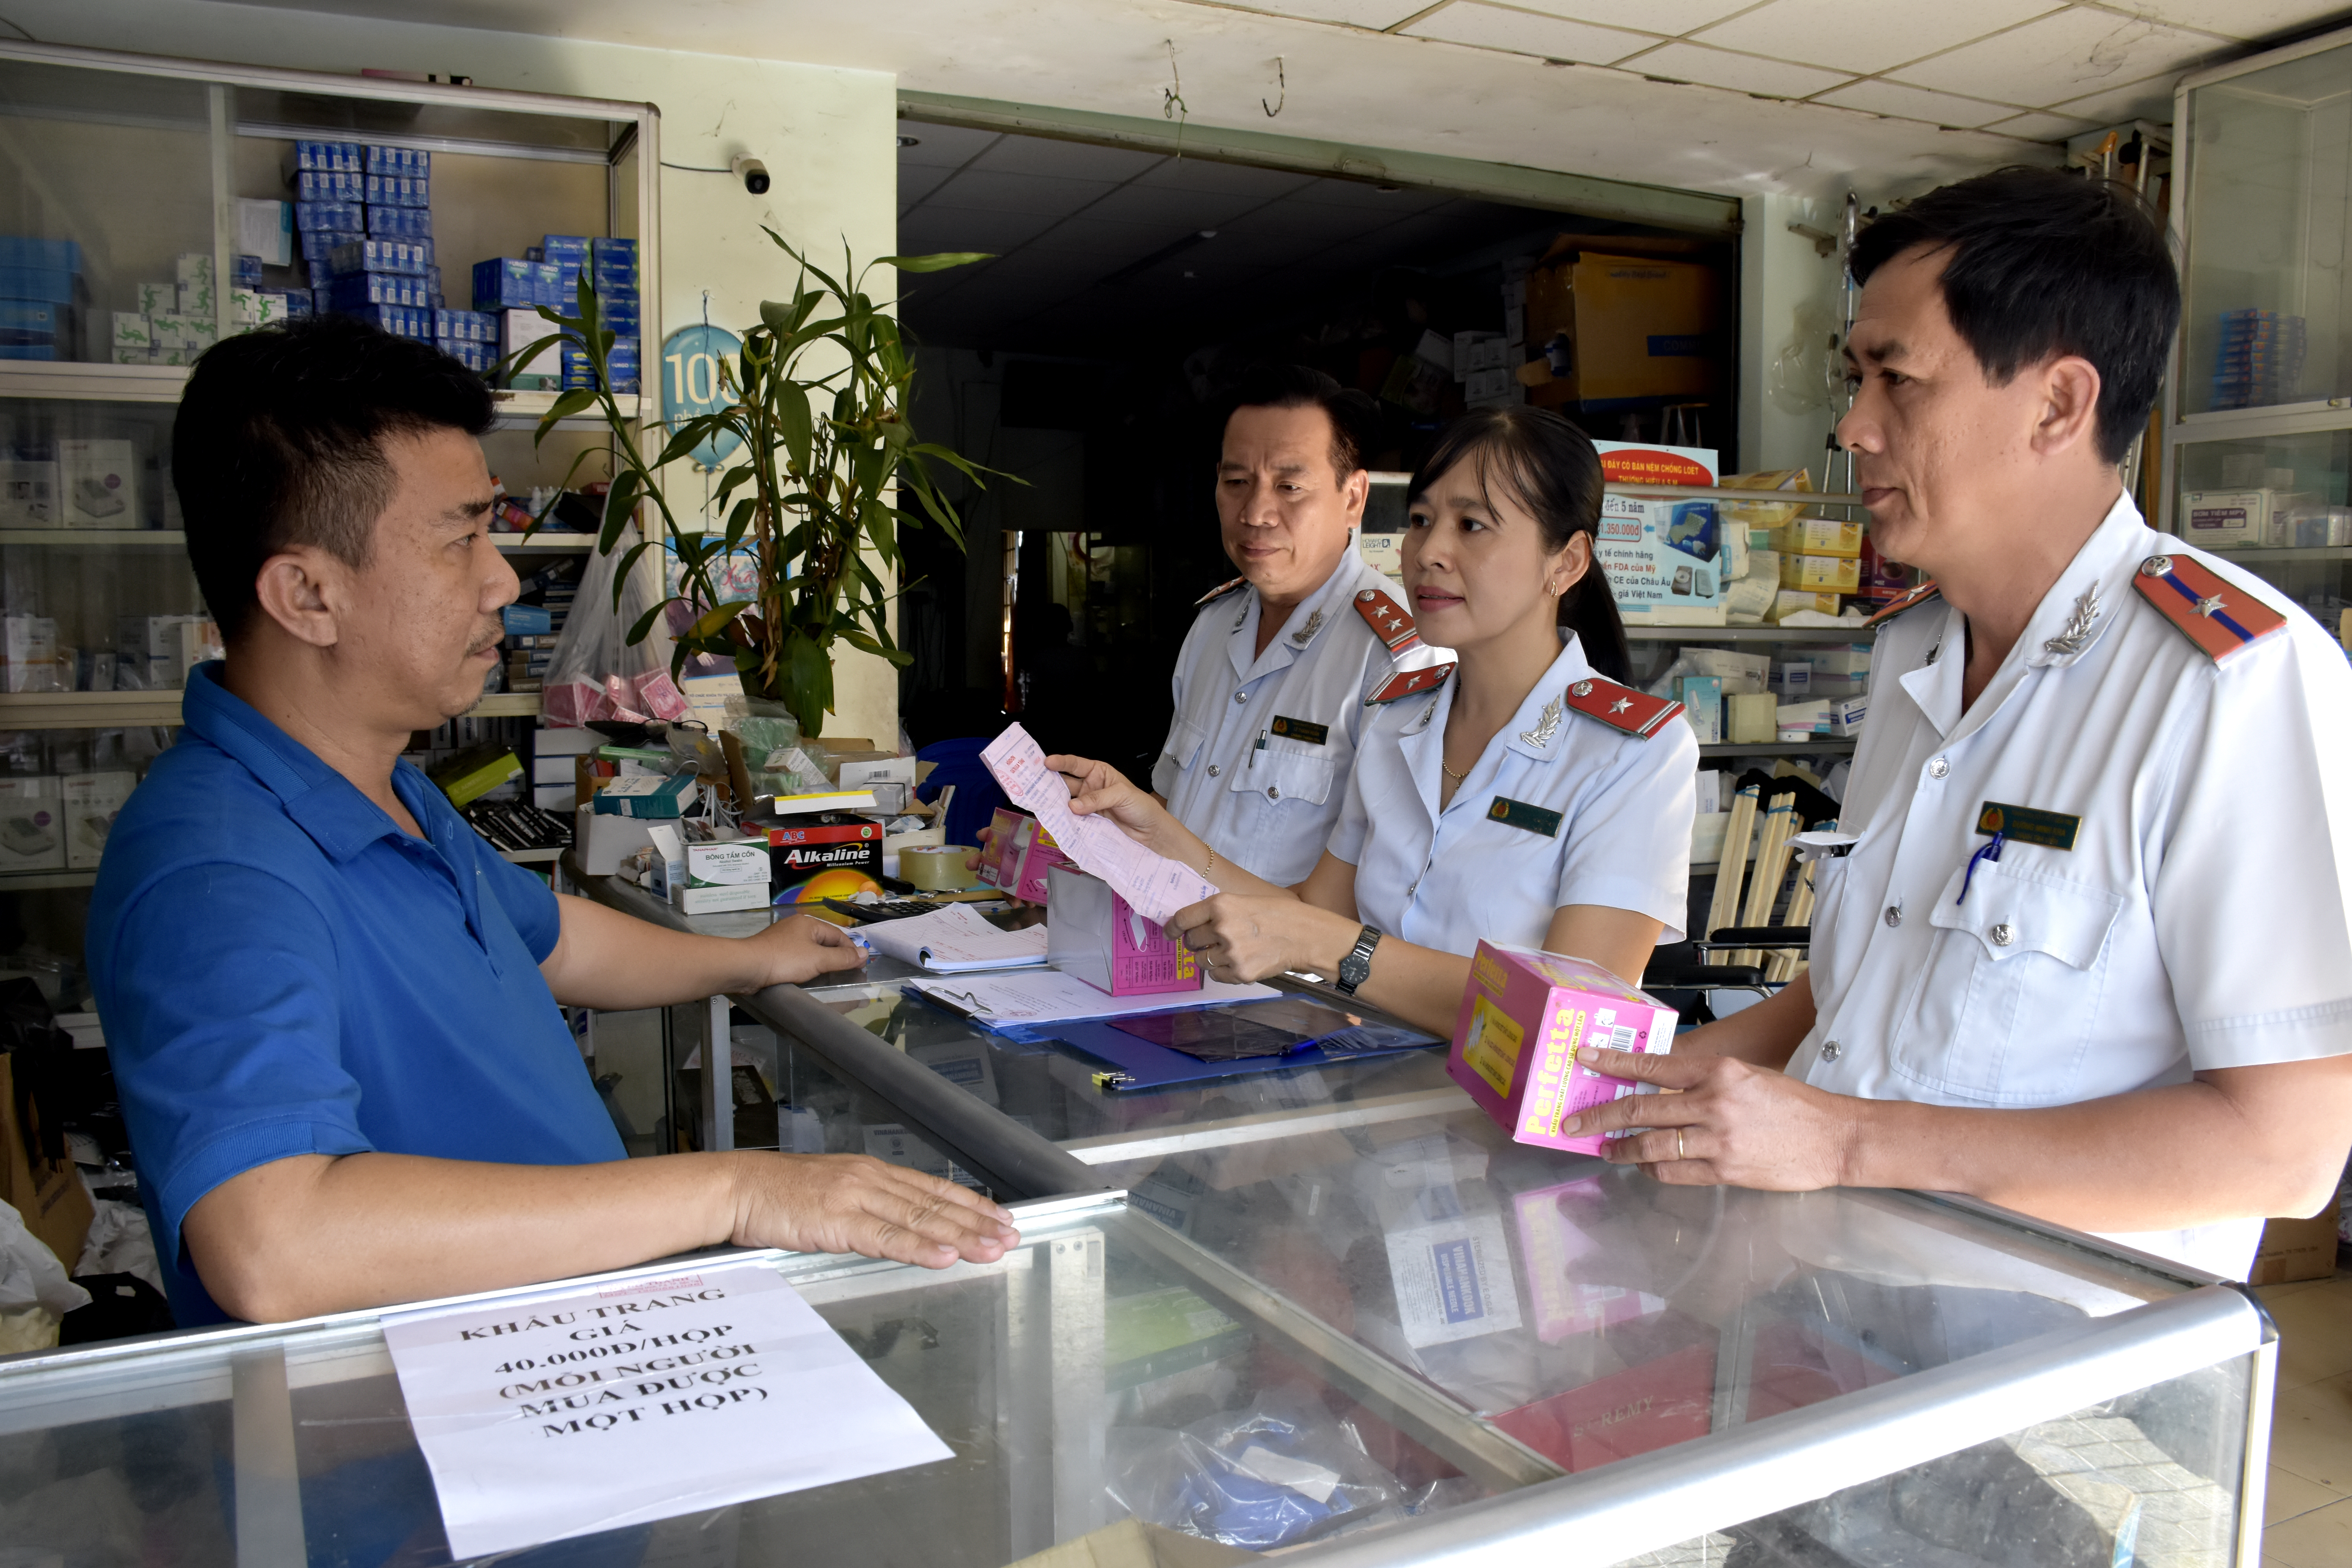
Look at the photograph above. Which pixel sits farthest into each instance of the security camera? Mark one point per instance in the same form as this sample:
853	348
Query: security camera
753	174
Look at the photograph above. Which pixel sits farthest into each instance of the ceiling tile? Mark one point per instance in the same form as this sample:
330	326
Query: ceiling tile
1067	159
2241	19
989	190
1744	73
1171	208
928	228
1118	243
2148	99
915	181
1671	17
1867	35
1355	12
2040	126
1524	33
2072	54
1235	179
1910	103
942	146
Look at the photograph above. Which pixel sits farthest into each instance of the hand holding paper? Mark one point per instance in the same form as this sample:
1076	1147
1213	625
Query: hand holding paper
1150	882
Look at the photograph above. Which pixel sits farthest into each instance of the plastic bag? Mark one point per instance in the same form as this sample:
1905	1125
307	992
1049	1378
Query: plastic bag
1282	1469
35	1292
594	671
120	1243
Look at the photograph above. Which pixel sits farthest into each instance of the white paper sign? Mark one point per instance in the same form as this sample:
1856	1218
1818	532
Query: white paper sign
546	1416
1153	884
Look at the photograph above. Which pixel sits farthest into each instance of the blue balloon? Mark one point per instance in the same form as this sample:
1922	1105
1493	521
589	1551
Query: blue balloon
690	384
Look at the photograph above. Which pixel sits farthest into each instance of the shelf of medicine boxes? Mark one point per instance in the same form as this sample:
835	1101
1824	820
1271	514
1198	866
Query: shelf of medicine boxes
2256	554
165	383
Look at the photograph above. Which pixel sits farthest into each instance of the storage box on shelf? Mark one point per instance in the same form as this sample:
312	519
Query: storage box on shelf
232	198
2257	447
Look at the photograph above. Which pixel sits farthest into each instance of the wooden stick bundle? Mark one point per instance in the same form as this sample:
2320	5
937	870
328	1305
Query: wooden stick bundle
1772	866
1736	835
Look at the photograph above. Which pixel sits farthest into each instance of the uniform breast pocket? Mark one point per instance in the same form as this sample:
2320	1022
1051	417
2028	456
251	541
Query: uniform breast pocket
1281	774
1183	747
2006	1009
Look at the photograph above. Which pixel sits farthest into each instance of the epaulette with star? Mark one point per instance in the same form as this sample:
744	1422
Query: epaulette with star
1220	591
1637	714
1390	621
2219	617
1406	683
1912	600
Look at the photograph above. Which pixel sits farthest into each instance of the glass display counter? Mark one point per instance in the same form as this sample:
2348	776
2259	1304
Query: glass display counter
1700	1372
1851	1379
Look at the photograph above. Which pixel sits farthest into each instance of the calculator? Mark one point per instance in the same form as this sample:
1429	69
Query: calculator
883	910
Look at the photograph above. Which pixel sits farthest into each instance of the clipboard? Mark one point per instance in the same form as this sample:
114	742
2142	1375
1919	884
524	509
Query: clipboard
1139	1064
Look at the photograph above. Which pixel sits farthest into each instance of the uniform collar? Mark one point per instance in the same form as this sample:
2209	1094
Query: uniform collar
1310	621
325	804
2088	595
1539	729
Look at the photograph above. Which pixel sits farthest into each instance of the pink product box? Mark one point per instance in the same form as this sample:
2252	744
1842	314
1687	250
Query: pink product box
1093	933
1020	853
1524	1013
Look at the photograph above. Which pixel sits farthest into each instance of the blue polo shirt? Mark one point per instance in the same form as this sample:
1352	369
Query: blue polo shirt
281	969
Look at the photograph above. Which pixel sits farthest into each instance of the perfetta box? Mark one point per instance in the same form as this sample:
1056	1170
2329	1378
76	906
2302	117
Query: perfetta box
1524	1013
1020	853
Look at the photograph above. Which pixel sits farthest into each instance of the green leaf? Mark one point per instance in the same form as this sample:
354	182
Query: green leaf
791	408
569	404
810	670
619	502
710	623
637	633
939	261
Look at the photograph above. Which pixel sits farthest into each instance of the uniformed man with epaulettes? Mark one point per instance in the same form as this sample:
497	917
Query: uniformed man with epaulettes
2082	944
1271	685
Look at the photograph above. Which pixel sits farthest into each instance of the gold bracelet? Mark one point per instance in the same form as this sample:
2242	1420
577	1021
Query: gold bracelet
1211	865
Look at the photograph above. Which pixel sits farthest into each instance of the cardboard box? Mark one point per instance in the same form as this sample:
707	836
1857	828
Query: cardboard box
1819	536
664	797
1749	715
1020	853
1091	932
99	484
1793	601
32	832
1665	559
825	857
1822	573
88	806
2295	1249
2223	520
47	1192
708	877
603	841
1524	1014
1616	330
28	654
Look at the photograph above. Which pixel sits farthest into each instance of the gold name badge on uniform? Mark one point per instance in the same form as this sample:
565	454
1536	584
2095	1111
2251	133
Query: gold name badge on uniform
1301	730
1519	814
2024	825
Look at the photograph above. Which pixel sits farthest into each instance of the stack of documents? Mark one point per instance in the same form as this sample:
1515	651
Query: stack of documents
1050	996
956	939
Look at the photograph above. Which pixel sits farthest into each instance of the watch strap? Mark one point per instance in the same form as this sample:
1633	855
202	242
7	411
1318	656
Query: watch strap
1357	967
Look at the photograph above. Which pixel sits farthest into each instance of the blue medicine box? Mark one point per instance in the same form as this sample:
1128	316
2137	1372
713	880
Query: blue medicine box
400	223
49	285
400	320
320	245
505	283
346	218
351	291
526	620
26	250
330	185
571	248
412	162
329	157
372	255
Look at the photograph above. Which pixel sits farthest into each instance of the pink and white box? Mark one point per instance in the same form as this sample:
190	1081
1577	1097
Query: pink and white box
1524	1013
1020	853
1093	933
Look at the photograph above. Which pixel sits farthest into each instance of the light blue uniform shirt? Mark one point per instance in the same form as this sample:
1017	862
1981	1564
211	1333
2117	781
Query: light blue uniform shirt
1445	879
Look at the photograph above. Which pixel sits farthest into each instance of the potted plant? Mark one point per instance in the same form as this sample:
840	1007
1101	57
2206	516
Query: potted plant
823	465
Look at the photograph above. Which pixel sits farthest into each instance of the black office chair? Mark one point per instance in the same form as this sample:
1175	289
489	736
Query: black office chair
1671	980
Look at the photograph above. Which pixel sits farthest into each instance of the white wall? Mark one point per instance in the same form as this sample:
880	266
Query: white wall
827	135
1778	272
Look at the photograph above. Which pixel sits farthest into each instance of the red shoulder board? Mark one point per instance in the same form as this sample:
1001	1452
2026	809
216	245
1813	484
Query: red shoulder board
1918	596
1389	621
1220	591
1404	684
2220	617
1620	707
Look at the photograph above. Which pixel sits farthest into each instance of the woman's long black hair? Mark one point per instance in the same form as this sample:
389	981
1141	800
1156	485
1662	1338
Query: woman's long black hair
1549	466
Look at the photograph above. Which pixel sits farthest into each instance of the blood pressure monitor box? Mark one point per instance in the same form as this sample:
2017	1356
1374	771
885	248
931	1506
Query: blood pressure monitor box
1020	853
32	827
1524	1014
1093	933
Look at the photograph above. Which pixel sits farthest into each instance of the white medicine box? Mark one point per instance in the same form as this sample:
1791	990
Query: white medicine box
32	836
98	484
88	805
28	494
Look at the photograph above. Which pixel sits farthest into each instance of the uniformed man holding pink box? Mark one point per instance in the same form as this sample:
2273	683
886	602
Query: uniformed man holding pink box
2083	945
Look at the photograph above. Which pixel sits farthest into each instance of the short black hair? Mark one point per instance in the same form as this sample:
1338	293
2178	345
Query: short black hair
279	442
2042	263
1355	417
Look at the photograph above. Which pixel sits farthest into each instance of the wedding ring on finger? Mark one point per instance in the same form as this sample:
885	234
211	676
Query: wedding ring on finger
1678	1143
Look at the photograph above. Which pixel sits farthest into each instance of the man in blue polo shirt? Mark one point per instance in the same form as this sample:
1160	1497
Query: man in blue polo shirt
332	1006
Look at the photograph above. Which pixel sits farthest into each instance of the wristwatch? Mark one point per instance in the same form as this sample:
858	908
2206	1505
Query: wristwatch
1357	967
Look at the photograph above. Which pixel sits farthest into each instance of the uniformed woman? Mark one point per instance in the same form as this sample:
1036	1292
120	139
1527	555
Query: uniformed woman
1521	794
